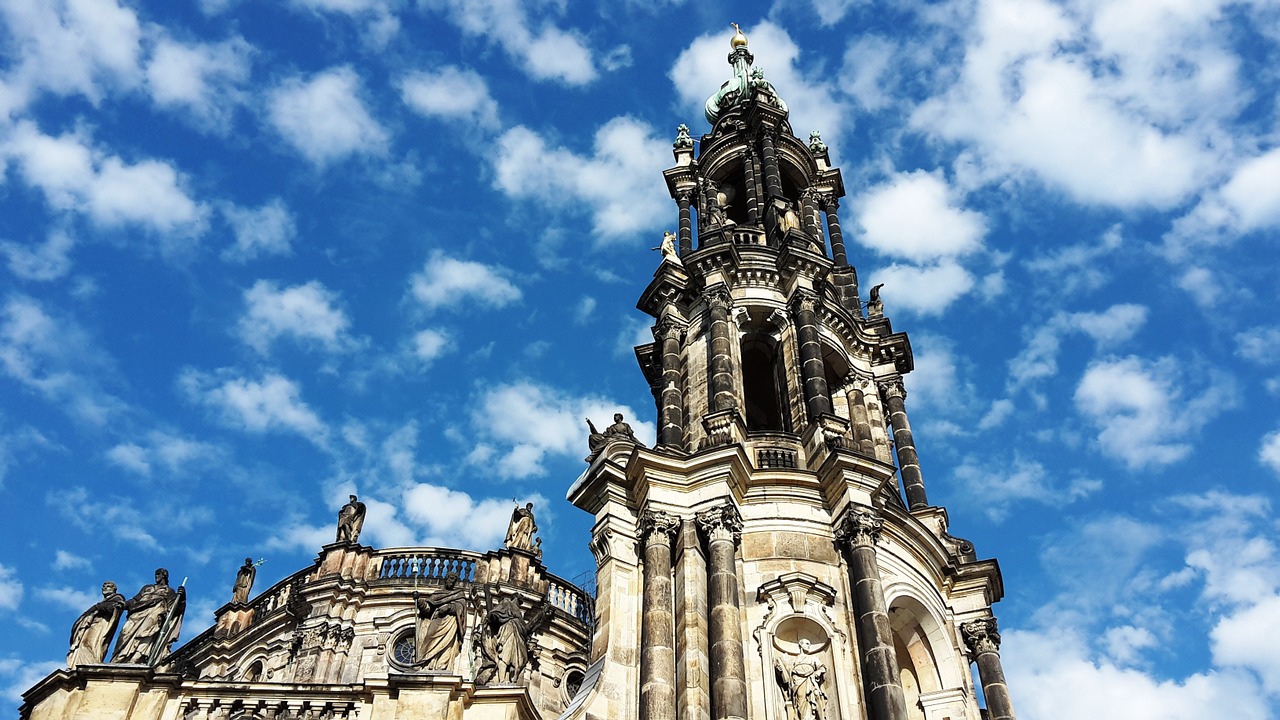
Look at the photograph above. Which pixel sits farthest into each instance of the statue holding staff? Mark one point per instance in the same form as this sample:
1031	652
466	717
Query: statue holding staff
153	623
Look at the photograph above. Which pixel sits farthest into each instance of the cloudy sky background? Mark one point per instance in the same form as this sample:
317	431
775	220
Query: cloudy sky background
256	256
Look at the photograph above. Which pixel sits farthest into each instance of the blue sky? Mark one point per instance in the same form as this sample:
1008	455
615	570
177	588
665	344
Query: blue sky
256	256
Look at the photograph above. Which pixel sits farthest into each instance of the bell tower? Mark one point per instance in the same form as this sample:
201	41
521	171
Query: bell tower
775	555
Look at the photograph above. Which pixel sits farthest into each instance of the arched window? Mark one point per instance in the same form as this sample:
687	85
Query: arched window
764	384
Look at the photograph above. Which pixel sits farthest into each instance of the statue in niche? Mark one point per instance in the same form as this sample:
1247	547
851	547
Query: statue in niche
668	248
93	630
505	638
718	208
350	521
521	529
875	306
244	581
784	216
442	620
619	430
153	623
801	677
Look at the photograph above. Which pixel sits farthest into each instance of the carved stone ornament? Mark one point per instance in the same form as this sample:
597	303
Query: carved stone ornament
892	388
860	528
666	328
504	638
805	299
830	202
816	146
683	140
656	521
981	635
717	297
721	522
601	546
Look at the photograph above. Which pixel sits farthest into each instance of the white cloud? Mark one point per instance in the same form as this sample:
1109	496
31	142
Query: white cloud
1260	345
324	118
20	676
177	455
451	93
916	216
1079	267
10	589
1269	451
63	560
867	63
130	457
813	103
47	261
522	425
924	290
542	50
585	307
70	598
267	230
307	312
202	79
452	518
1039	359
114	516
447	282
430	344
1001	485
272	404
1247	639
1247	202
74	176
620	182
1141	410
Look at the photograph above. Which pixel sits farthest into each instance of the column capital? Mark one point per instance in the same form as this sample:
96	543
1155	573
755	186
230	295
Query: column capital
805	299
717	296
830	202
812	193
892	388
658	525
860	528
684	196
981	635
668	328
721	522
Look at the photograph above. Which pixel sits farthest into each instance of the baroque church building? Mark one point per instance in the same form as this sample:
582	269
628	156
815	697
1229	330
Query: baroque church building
774	556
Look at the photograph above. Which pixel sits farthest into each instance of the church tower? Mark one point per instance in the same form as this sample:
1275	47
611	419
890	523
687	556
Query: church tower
775	556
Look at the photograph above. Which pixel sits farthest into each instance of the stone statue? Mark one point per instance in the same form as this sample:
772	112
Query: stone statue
784	216
816	146
244	581
520	531
716	213
875	306
153	623
350	521
92	631
505	639
619	430
443	618
668	248
801	678
683	140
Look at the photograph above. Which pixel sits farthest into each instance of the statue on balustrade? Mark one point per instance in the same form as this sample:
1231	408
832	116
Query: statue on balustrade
92	631
350	521
505	639
802	678
442	618
153	623
619	430
244	581
875	306
521	529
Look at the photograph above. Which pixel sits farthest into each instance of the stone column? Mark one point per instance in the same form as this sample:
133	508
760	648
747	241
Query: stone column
862	440
684	198
895	396
858	535
720	350
669	334
657	619
723	528
983	639
753	188
809	216
772	177
812	372
832	206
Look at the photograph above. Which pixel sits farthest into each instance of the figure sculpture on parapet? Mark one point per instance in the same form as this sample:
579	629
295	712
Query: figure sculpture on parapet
153	624
504	638
442	621
668	248
521	528
350	521
244	581
93	630
875	306
619	430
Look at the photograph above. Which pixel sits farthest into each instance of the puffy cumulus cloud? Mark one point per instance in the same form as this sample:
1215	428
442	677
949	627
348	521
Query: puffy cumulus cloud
429	344
447	282
451	93
869	62
11	589
915	216
813	104
1247	639
453	518
1002	485
620	182
54	357
1260	345
306	312
49	260
75	176
380	21
1029	99
1269	451
543	51
324	118
924	290
85	47
63	560
522	425
272	404
1142	411
174	454
1039	359
266	230
203	79
1249	201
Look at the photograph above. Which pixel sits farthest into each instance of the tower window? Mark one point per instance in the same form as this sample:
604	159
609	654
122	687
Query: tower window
763	385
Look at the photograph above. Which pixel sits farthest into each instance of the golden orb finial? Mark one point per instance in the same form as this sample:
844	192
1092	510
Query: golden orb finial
738	40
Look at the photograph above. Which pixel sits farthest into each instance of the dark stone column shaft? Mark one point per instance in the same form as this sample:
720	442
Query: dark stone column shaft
724	628
720	349
810	218
753	188
812	372
908	461
983	638
882	686
772	177
686	223
671	415
837	237
657	620
862	441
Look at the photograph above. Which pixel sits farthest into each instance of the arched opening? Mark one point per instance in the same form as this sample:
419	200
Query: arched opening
764	385
917	663
254	673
